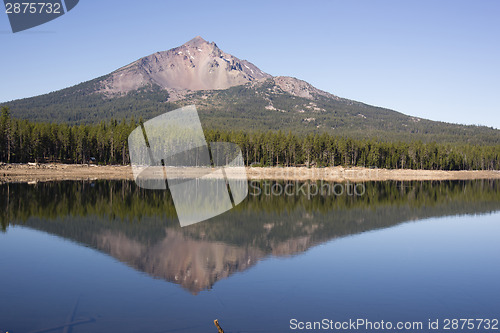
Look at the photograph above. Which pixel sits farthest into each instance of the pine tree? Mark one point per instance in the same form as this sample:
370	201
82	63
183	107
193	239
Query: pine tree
6	134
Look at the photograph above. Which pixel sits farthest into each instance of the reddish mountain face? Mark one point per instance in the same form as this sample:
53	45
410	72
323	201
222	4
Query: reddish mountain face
196	65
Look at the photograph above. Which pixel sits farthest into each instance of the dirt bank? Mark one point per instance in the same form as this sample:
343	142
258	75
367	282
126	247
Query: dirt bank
55	172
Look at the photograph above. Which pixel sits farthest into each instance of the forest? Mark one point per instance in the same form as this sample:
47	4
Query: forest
23	141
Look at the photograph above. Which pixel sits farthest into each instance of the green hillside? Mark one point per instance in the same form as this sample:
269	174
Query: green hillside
260	106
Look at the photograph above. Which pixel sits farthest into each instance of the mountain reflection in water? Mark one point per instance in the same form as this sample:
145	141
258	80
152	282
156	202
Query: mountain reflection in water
139	227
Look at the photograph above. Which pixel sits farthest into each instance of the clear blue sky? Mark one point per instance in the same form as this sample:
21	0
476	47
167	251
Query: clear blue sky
433	59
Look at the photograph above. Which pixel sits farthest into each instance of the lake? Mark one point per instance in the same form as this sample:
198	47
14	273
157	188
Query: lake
107	256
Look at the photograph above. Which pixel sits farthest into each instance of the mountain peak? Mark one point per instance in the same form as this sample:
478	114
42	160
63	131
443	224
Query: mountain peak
197	41
195	65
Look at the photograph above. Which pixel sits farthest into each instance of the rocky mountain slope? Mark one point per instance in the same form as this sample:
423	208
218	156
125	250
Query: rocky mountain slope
196	65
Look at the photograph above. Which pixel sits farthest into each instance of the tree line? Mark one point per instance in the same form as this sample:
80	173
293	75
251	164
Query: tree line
23	141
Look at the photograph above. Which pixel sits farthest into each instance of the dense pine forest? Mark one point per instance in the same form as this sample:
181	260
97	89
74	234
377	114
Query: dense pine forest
24	141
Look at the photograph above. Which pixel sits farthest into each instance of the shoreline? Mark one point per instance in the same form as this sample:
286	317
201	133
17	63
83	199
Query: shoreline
28	173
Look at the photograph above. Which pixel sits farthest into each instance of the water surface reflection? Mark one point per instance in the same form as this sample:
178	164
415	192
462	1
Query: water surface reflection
139	227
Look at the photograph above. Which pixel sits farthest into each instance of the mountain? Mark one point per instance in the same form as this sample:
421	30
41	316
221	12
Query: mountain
196	65
233	94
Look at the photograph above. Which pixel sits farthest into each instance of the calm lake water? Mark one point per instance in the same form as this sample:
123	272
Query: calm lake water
107	256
